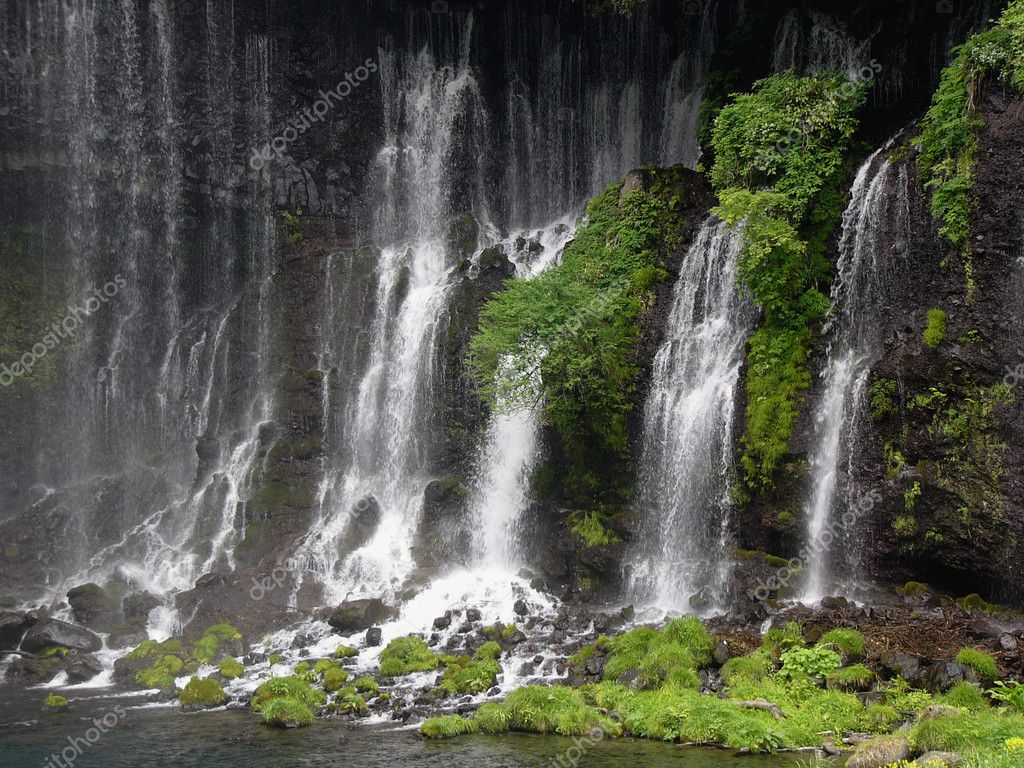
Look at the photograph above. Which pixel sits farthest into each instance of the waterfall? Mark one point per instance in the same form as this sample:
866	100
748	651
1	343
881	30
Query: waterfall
871	250
153	412
688	423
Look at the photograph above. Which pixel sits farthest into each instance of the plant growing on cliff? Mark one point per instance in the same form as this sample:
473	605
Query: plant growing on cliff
935	330
567	339
949	132
780	191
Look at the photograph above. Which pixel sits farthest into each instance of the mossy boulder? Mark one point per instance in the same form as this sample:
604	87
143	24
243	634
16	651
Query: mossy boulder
55	703
202	694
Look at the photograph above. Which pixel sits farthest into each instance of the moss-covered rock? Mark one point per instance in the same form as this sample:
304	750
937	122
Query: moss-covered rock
202	694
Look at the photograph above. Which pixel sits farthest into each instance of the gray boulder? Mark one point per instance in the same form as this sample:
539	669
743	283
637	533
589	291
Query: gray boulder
358	615
52	632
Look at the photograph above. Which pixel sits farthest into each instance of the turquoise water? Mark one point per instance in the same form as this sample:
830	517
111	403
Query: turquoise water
163	737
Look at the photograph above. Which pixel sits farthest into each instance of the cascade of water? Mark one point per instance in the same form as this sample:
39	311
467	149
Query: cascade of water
688	422
825	45
871	250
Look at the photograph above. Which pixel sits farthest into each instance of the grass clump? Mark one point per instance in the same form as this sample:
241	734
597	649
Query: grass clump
161	674
202	693
489	651
469	676
447	727
849	642
334	679
348	701
554	709
753	668
778	640
983	733
345	652
405	655
982	663
286	688
287	712
669	655
856	677
366	684
965	696
231	668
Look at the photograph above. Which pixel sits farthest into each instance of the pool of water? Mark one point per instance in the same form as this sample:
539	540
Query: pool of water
102	731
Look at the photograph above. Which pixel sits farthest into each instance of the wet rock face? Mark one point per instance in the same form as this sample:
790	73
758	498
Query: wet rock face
94	607
13	626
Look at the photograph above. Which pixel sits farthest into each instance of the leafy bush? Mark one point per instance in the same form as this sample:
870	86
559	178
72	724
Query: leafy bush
405	655
287	712
982	663
202	693
935	331
848	641
447	727
1010	693
814	663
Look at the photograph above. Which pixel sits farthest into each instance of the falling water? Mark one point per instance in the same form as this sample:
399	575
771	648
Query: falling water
688	423
871	251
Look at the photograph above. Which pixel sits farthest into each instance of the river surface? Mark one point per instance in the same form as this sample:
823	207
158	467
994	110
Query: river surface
150	736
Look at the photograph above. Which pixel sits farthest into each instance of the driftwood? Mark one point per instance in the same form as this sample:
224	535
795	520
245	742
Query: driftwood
762	704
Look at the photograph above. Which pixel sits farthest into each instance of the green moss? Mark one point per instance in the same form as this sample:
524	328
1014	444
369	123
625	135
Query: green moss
935	330
286	688
161	674
214	639
849	641
275	658
150	649
345	652
304	672
983	664
348	701
202	693
904	526
881	718
405	655
287	712
230	668
447	727
55	703
54	652
914	589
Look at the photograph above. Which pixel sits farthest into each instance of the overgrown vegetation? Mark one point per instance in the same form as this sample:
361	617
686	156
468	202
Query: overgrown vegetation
949	132
405	655
567	338
783	194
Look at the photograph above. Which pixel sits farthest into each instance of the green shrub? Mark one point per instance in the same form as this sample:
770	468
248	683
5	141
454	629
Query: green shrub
813	663
303	672
753	668
231	668
202	693
286	688
275	658
848	641
405	655
493	718
287	712
776	640
690	632
935	331
447	727
348	701
152	649
345	652
1010	693
983	664
881	718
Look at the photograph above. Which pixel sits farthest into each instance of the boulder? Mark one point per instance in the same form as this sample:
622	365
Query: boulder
13	626
374	637
880	752
127	636
136	607
521	608
362	524
443	622
52	632
897	663
81	667
93	606
932	759
942	675
473	614
357	615
721	652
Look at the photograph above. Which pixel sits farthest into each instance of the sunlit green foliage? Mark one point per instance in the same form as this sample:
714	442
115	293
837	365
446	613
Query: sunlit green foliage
405	655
